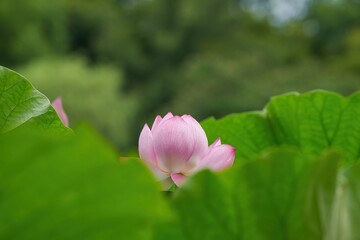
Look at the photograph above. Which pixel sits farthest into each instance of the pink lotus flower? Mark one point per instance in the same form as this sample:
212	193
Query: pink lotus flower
57	105
176	147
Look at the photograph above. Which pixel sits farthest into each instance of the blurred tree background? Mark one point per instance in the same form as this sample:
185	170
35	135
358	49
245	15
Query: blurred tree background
119	63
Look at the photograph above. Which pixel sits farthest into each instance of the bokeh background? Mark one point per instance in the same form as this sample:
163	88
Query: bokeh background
119	63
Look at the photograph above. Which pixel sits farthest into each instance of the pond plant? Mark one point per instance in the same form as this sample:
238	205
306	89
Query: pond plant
295	174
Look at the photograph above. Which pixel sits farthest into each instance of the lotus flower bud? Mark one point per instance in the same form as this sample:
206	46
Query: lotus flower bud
57	105
176	147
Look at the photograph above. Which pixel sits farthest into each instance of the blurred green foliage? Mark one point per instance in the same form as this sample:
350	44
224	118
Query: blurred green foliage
206	57
74	187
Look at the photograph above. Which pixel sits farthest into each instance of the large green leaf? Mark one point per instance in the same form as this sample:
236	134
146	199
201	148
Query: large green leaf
74	187
21	103
348	205
312	122
280	195
264	193
313	215
205	208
